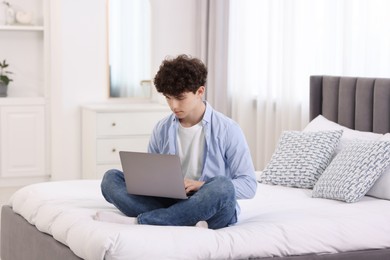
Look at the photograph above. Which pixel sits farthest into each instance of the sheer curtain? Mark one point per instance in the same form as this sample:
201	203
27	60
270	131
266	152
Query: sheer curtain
275	45
129	47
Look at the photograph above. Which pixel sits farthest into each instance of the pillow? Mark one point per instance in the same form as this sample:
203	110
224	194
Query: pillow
353	171
381	188
258	175
320	123
300	158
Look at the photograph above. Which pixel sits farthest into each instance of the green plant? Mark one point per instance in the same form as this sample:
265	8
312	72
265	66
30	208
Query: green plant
3	73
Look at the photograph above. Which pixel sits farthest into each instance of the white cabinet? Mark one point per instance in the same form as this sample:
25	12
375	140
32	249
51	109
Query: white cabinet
110	128
24	131
23	146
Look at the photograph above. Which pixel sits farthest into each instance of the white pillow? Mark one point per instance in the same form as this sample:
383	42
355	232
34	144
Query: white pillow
381	188
320	123
300	158
353	171
258	175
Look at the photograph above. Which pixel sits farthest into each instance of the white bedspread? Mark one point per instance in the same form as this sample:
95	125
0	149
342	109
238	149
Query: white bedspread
279	221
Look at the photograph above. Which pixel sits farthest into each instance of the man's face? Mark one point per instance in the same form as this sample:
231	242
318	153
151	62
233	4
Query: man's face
186	103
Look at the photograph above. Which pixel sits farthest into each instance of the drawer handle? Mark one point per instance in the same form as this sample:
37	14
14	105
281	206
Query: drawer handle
113	150
113	124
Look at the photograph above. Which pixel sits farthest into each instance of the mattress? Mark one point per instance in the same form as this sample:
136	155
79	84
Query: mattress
279	221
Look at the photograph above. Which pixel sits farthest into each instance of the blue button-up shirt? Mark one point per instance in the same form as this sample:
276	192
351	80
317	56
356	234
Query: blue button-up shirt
226	150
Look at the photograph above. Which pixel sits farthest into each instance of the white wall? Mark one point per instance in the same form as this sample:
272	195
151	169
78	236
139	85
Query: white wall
79	76
79	65
174	29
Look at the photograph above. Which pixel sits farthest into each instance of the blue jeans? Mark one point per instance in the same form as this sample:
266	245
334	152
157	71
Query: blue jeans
214	202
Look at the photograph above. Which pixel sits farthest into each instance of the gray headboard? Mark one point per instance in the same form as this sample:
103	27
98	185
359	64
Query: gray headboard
358	103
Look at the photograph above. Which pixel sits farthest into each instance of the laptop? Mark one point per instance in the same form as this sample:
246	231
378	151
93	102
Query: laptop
150	174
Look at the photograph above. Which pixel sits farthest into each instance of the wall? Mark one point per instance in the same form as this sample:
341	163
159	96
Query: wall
79	65
174	29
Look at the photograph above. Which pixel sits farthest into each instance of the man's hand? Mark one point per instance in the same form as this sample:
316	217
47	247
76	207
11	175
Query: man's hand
192	185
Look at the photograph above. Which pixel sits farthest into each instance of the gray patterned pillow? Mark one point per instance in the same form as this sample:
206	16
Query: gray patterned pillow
300	158
353	171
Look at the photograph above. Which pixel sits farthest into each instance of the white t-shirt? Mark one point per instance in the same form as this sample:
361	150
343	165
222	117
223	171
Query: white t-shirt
191	142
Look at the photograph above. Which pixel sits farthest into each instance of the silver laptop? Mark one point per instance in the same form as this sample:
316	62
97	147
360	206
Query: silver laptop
149	174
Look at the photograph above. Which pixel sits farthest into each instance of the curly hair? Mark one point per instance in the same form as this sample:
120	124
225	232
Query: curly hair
179	75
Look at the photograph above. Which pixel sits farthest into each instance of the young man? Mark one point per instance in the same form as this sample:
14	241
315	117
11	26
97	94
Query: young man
216	162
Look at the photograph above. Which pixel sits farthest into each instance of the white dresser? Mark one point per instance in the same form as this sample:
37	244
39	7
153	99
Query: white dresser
110	128
23	140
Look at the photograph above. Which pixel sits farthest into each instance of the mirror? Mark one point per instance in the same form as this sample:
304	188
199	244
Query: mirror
129	48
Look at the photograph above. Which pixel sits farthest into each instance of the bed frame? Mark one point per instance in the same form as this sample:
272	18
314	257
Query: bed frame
358	103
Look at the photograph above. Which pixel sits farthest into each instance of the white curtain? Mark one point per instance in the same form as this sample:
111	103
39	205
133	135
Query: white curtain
217	55
275	45
129	47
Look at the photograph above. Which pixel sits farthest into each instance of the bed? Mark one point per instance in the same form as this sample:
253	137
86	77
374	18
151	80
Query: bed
285	220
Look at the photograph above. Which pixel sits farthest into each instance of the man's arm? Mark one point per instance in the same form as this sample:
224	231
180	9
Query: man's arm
240	162
153	141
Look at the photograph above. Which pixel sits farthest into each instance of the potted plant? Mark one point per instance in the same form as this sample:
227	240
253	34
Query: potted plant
4	79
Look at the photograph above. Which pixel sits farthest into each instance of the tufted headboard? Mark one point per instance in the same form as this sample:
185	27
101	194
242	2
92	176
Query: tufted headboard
358	103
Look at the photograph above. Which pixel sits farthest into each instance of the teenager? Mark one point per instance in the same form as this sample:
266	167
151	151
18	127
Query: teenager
216	161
